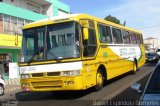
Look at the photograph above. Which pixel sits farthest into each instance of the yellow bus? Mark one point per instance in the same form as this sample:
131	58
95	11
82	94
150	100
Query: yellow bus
76	52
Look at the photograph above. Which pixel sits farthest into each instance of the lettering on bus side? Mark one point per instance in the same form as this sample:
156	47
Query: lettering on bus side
23	69
127	51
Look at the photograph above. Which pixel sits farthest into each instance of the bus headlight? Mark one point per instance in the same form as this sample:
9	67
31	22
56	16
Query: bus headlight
70	73
24	76
25	85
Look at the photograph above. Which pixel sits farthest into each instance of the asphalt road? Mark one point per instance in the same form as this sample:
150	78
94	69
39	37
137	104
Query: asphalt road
115	89
130	94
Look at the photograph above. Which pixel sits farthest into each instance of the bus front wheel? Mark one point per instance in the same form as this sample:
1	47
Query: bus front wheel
99	80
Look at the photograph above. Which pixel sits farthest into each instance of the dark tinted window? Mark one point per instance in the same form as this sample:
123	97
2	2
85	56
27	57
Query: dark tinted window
158	50
133	38
33	41
92	37
154	83
138	39
117	37
62	41
90	45
109	35
126	38
102	33
91	24
151	54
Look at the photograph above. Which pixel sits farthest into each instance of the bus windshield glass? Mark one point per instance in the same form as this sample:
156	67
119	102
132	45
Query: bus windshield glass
52	42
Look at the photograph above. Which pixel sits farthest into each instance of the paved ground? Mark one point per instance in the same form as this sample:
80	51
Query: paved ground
10	88
133	95
15	81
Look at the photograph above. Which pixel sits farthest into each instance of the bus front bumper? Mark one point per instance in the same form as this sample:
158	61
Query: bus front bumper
53	84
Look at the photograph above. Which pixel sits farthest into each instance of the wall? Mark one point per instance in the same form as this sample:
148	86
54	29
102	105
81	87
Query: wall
57	5
20	12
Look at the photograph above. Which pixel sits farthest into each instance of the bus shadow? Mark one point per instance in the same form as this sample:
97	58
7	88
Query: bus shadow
60	95
149	64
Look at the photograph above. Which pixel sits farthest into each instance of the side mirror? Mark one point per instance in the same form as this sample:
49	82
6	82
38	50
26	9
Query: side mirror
136	87
85	33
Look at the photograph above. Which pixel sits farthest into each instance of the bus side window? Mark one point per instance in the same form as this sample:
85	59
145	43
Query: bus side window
138	39
102	33
126	38
91	44
133	38
109	35
117	36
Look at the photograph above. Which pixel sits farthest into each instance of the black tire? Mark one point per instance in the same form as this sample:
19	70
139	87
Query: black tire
98	85
1	90
157	60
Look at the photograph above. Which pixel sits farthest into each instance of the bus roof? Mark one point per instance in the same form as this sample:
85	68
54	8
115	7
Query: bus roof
75	17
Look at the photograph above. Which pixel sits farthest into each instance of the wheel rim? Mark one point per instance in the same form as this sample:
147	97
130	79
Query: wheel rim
1	90
99	78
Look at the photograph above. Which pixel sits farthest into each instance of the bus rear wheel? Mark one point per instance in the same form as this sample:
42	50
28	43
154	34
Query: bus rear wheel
99	80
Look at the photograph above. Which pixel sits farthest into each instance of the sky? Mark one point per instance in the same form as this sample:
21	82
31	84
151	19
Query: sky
143	15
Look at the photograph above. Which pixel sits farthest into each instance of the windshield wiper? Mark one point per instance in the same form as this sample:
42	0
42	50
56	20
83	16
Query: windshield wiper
58	59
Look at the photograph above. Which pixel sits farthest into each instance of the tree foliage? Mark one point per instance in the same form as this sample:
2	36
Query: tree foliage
112	19
147	46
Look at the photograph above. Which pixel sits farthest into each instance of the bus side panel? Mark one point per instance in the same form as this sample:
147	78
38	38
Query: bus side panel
114	64
142	59
117	64
89	71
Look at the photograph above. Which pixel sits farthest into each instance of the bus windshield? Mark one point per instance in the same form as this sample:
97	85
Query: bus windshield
52	42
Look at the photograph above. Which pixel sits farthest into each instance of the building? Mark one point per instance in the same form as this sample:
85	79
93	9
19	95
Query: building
153	43
14	14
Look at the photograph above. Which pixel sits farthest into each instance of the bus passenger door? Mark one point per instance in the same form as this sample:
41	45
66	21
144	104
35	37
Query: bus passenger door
89	52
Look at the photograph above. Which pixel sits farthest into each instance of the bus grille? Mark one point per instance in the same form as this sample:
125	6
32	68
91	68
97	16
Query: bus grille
53	74
37	75
47	84
50	74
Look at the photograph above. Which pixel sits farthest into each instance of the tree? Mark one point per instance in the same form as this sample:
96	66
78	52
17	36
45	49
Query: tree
112	19
147	46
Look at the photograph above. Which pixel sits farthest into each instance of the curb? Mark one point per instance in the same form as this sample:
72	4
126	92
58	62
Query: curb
15	81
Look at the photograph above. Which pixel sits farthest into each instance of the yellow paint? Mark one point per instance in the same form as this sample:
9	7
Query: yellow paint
10	40
113	64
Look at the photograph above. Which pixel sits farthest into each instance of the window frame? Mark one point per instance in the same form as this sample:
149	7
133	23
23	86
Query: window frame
133	42
86	42
117	36
105	33
126	31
